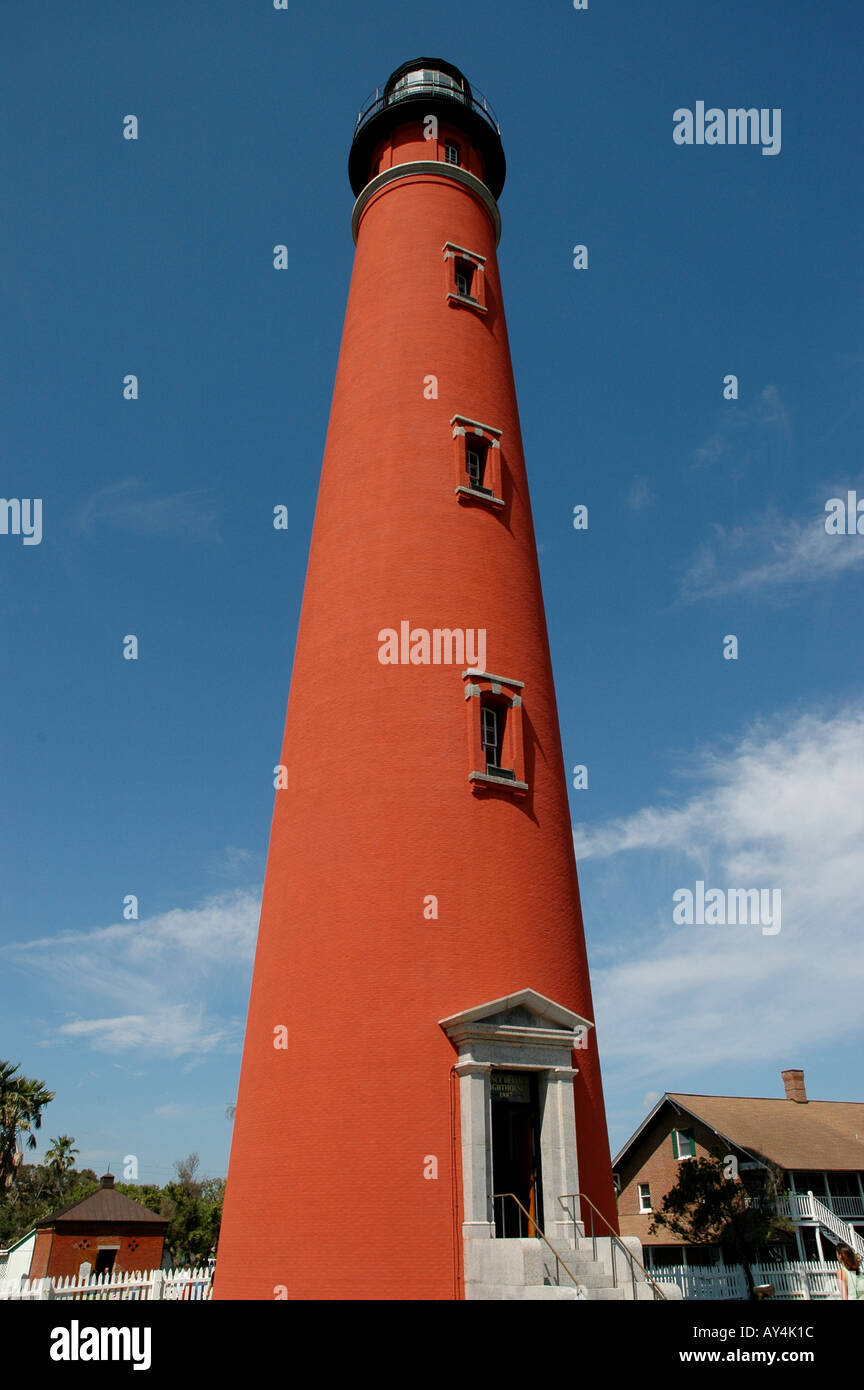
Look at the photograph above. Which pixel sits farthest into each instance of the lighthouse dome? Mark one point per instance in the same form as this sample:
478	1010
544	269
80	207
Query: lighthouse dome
415	90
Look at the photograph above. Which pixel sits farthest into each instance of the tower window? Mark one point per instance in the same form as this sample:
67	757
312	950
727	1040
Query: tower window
495	732
475	465
493	722
466	278
478	461
451	154
491	737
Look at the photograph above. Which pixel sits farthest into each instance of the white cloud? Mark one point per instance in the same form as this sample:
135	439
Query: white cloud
173	1030
124	506
784	808
237	863
768	556
167	967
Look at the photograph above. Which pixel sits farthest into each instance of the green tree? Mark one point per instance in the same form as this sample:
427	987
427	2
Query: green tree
22	1100
705	1207
194	1208
34	1195
60	1158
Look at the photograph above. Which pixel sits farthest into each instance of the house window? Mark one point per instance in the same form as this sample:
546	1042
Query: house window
477	461
451	154
645	1196
495	741
683	1143
465	277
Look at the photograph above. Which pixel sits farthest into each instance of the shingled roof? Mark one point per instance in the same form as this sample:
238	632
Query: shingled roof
105	1205
795	1133
820	1134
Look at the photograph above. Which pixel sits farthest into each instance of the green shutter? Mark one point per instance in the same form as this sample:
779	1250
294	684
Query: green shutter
675	1143
691	1140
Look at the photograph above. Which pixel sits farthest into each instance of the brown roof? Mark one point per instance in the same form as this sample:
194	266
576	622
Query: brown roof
105	1205
820	1134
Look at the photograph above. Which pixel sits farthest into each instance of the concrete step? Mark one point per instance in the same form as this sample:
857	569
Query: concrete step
548	1293
527	1269
595	1273
590	1277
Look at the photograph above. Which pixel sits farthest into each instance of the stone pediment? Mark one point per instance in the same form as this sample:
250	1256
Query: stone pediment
525	1017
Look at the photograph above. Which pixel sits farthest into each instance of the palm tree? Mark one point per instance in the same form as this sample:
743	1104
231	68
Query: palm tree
22	1100
61	1157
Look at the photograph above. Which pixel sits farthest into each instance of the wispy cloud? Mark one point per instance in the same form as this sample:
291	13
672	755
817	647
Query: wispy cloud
236	862
639	495
746	429
172	1110
173	968
173	1031
783	808
771	555
125	506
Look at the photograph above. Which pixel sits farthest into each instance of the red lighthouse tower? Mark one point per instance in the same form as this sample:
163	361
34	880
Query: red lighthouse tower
420	1087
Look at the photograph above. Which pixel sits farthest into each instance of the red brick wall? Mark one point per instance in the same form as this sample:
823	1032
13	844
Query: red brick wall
654	1162
62	1252
41	1254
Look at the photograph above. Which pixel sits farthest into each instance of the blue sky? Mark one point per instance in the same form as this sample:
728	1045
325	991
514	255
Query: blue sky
706	516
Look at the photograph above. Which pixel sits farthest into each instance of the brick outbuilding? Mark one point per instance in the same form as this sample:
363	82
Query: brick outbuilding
106	1230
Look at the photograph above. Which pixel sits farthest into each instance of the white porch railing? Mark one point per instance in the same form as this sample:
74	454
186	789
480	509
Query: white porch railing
804	1206
194	1284
797	1204
847	1207
799	1279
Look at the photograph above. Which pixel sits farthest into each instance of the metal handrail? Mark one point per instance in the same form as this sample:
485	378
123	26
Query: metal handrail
532	1222
379	99
658	1292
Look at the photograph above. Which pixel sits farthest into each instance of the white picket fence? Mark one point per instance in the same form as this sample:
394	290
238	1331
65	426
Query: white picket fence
193	1284
799	1279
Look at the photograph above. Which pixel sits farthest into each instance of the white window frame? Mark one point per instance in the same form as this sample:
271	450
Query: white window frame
469	454
463	284
678	1133
489	716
